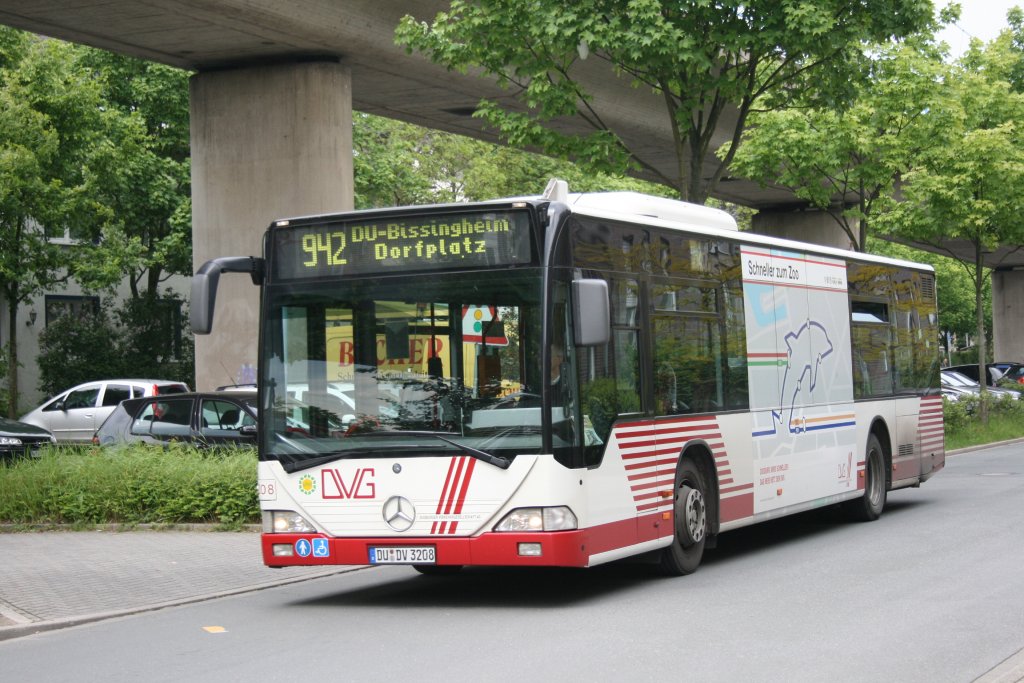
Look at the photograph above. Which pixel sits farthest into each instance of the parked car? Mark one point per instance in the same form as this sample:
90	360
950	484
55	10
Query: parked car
959	383
201	418
236	387
1002	371
18	439
1012	372
75	414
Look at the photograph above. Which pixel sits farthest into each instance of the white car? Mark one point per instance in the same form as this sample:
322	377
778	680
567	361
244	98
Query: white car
75	415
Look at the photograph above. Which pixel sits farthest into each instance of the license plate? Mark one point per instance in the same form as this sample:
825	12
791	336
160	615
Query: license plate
404	554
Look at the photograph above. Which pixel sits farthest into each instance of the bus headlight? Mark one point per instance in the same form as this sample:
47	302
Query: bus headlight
285	522
559	518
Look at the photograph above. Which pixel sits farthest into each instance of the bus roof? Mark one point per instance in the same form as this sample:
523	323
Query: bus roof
634	204
633	207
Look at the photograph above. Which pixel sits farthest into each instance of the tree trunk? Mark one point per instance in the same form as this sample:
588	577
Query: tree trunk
12	353
694	183
153	281
979	284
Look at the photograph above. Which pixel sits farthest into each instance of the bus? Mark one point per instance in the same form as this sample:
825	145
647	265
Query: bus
571	379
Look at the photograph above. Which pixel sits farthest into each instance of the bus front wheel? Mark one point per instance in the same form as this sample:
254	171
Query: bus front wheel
869	507
690	517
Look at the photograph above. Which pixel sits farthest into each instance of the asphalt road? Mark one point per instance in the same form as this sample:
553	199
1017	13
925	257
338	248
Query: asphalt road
933	591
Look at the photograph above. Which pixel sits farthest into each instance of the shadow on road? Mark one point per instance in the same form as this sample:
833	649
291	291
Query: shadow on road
476	587
776	534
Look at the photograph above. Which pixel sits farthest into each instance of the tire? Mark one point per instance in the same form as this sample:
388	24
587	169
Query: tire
690	519
437	569
869	507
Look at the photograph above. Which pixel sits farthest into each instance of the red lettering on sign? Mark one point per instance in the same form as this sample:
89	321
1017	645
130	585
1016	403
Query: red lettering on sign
361	484
416	351
346	356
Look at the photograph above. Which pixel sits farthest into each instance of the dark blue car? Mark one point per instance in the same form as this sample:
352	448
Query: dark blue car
18	439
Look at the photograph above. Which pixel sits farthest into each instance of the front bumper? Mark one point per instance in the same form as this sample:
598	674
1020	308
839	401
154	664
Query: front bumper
558	549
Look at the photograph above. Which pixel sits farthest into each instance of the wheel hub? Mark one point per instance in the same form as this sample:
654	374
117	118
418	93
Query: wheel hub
693	515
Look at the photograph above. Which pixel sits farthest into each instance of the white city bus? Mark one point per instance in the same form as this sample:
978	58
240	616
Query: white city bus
567	380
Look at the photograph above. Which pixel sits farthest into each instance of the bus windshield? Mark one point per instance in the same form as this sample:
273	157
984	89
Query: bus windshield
432	363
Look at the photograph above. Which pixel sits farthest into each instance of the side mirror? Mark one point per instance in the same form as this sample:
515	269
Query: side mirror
591	317
204	286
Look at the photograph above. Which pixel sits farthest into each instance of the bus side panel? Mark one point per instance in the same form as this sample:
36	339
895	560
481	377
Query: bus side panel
933	436
618	490
799	370
734	461
919	448
906	447
868	413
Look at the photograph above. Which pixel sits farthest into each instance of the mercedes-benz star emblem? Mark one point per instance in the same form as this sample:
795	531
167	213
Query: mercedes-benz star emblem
399	513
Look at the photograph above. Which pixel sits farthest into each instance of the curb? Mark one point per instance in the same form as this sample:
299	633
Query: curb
983	447
1011	670
20	630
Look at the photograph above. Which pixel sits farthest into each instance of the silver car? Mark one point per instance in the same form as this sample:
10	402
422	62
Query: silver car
75	414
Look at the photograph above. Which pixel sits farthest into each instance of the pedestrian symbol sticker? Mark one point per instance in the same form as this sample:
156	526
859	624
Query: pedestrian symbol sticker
302	548
320	548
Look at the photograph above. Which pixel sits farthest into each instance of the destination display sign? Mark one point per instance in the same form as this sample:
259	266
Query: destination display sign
400	244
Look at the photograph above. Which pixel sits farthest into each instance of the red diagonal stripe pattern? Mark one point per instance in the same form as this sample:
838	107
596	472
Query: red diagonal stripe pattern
453	494
471	463
930	427
650	450
444	494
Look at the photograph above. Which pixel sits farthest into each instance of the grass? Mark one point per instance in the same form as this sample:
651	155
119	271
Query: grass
999	428
965	429
129	486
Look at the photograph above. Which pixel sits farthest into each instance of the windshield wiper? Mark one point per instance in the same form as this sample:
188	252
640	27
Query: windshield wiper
295	463
488	458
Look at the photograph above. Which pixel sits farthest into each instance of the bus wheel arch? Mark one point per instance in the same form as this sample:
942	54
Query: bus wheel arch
877	476
695	511
880	430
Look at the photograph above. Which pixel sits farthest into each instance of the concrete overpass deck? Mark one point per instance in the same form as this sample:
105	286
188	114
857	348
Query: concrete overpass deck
256	158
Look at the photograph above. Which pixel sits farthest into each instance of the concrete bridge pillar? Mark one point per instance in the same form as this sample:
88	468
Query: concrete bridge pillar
1008	314
816	227
268	142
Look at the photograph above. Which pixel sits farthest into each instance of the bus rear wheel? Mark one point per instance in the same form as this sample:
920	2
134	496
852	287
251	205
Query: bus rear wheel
869	507
690	520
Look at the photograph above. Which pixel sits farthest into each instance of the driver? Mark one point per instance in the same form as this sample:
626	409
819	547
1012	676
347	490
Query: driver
557	358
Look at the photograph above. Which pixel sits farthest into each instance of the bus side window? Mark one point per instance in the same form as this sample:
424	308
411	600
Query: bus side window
871	339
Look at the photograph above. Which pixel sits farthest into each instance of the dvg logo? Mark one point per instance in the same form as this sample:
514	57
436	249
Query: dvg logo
399	513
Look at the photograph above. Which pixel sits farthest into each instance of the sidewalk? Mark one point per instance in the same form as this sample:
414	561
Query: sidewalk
55	579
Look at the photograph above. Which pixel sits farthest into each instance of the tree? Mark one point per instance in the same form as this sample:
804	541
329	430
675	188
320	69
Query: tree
713	63
848	162
139	173
385	163
970	186
398	163
74	349
49	115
